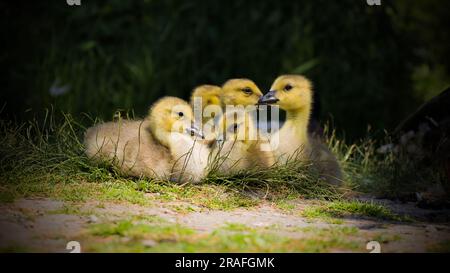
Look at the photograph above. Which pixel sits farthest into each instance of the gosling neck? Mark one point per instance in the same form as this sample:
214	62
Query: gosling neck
162	137
297	120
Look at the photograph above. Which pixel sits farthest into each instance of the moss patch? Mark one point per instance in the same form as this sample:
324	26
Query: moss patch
352	208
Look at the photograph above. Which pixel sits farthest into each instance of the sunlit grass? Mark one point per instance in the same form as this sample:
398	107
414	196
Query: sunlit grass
47	160
131	236
352	208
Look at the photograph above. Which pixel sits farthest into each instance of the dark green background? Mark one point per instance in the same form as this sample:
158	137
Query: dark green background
369	64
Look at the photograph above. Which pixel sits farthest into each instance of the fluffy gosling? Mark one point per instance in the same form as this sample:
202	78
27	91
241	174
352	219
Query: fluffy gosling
240	92
162	146
209	96
238	147
293	93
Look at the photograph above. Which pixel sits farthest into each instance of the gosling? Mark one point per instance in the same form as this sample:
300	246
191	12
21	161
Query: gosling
240	92
209	110
162	146
238	146
293	93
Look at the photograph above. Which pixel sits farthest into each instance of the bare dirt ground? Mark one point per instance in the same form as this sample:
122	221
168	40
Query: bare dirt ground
46	225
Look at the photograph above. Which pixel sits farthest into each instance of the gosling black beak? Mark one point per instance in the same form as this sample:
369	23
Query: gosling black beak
268	98
195	131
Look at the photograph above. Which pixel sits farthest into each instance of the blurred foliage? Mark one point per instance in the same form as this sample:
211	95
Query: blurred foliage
370	64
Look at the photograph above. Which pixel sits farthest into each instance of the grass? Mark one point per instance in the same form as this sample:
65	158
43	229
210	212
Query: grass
6	196
15	249
46	159
140	231
442	247
393	174
70	209
352	208
129	236
383	238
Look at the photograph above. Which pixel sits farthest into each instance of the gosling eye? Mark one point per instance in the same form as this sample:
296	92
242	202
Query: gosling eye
287	87
247	90
180	114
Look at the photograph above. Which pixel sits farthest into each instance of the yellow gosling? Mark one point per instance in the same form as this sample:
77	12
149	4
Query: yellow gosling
209	95
164	145
238	147
240	92
293	93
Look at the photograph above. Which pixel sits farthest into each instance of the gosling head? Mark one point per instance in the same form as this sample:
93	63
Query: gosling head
210	95
171	115
240	92
289	92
